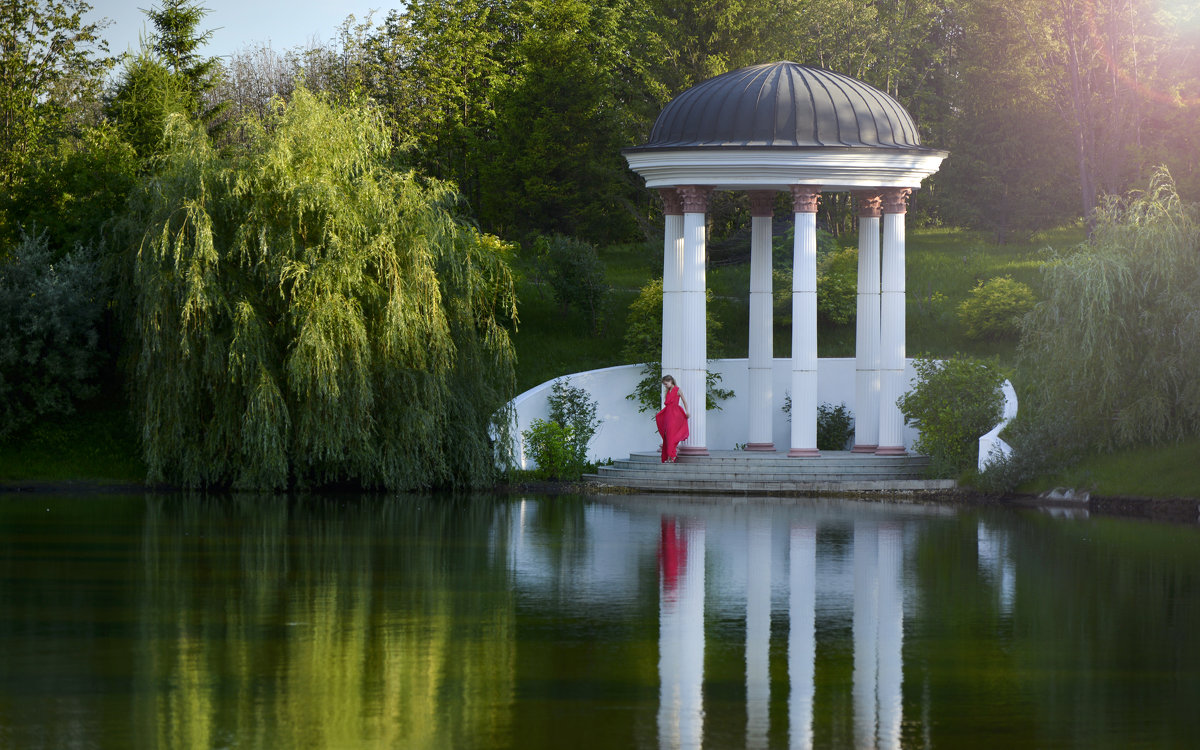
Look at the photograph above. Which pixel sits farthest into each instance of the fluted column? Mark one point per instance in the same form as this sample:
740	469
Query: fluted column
761	394
672	311
804	322
866	339
891	324
694	363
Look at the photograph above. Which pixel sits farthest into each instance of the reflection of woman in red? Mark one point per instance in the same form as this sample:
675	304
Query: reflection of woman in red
672	557
672	420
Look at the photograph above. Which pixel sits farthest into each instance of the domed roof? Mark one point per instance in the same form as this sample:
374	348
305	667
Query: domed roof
783	105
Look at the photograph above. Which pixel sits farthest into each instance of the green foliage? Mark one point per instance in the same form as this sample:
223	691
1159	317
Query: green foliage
50	312
1110	356
837	286
305	315
74	191
643	343
573	408
551	446
145	96
952	403
50	62
994	308
835	427
575	273
559	445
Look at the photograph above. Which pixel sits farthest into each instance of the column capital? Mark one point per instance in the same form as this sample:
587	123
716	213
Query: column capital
672	205
895	200
870	204
804	198
694	198
762	203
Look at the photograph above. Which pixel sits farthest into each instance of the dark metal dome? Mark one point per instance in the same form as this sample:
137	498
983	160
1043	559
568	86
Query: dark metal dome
783	105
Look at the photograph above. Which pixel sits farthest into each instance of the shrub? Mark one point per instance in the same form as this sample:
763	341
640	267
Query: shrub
953	403
575	273
993	309
574	409
835	427
551	445
50	315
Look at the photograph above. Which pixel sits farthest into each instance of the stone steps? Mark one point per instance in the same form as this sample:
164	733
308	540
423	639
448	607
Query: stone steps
742	472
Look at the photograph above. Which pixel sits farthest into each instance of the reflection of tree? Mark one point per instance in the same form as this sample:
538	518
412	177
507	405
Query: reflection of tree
314	623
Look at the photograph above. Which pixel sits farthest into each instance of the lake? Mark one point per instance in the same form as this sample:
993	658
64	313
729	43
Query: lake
590	622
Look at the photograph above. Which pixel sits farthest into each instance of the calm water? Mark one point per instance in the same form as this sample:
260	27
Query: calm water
256	622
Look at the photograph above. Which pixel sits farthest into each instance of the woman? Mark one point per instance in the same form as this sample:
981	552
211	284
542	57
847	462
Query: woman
672	420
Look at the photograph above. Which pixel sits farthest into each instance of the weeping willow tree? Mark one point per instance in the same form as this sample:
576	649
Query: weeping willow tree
1111	357
304	314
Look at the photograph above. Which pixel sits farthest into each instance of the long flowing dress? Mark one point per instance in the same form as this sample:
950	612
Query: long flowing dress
672	424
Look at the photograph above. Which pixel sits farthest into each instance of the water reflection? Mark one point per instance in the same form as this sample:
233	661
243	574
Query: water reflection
483	623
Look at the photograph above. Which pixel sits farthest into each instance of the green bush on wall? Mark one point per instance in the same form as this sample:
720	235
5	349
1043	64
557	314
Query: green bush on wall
953	403
994	308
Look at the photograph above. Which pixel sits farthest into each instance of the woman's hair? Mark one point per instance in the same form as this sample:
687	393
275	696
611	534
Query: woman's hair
668	379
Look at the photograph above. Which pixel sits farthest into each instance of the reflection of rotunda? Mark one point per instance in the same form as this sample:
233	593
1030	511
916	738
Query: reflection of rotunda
764	129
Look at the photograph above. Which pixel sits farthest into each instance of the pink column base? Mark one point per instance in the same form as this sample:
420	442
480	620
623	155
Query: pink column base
693	450
891	450
804	453
864	449
760	447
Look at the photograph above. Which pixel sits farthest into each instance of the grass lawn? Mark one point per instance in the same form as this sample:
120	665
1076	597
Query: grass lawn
96	444
1161	471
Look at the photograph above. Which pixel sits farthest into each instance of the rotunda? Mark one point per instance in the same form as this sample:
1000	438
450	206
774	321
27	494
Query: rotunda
788	127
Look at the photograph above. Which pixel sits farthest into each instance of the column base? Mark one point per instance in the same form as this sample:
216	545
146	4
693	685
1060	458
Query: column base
864	449
692	450
760	447
804	453
891	450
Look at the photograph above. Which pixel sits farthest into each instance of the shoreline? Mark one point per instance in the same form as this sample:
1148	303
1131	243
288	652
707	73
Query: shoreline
1171	510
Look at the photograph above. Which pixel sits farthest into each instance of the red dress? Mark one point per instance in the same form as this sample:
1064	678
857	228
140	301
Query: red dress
672	424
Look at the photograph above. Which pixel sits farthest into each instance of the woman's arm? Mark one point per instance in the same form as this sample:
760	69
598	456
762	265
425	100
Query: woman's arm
683	401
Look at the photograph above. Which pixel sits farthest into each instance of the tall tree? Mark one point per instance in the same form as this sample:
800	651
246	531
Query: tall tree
304	314
50	59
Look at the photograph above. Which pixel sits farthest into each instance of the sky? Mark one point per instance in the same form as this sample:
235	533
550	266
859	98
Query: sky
239	23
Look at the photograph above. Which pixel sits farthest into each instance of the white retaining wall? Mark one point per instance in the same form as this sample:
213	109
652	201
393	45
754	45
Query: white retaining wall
624	430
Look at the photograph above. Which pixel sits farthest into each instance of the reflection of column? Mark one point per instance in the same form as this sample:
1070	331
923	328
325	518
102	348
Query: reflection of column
761	352
758	632
866	338
891	635
866	631
681	638
804	322
672	312
802	644
891	324
694	365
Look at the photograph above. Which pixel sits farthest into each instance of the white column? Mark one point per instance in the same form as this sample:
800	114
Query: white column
761	396
758	631
802	635
672	313
891	324
694	364
866	340
866	632
691	727
804	322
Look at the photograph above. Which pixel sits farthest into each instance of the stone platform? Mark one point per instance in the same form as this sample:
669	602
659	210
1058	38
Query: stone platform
748	472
